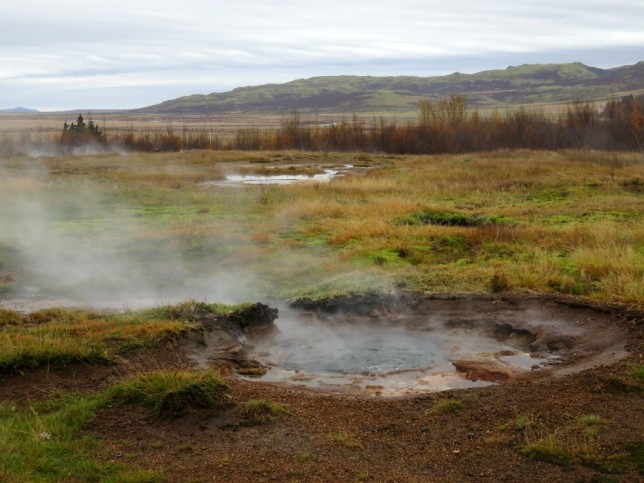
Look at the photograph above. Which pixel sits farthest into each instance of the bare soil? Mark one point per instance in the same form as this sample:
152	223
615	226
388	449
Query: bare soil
325	437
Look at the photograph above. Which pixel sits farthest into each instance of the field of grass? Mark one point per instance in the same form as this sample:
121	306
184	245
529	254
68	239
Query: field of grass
567	222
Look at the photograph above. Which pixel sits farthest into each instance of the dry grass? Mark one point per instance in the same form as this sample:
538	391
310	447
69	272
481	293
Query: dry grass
346	439
574	230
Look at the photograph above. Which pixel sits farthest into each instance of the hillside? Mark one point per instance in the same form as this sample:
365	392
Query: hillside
525	84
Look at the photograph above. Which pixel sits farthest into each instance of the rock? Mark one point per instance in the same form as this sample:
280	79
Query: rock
484	367
549	342
257	316
252	371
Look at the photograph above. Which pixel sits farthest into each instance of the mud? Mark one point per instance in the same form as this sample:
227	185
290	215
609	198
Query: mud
411	343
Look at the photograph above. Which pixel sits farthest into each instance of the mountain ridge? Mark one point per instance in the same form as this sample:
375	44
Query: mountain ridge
523	84
19	110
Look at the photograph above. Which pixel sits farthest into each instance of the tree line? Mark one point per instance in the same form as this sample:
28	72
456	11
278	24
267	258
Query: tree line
443	126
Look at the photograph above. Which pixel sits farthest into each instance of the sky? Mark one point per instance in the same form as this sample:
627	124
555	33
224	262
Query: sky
120	54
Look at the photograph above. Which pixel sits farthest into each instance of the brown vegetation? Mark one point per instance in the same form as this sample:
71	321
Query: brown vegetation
444	126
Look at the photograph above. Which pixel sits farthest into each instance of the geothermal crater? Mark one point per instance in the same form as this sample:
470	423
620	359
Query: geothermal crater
394	346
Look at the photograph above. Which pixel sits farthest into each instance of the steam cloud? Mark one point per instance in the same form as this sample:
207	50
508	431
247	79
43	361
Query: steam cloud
74	244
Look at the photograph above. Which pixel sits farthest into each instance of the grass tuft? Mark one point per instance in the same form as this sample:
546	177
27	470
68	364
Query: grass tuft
261	411
346	439
636	371
549	448
170	393
578	443
449	406
499	282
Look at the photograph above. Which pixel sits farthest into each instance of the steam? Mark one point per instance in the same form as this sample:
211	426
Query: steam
74	243
71	239
313	346
43	146
346	343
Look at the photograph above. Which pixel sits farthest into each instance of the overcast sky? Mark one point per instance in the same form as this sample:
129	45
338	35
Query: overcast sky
69	54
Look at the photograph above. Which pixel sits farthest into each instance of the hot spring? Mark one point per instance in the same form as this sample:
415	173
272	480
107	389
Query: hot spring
403	347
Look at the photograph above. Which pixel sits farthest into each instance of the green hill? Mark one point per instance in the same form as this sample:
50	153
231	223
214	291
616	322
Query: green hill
525	84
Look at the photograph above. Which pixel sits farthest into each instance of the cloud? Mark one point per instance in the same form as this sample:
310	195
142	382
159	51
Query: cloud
214	45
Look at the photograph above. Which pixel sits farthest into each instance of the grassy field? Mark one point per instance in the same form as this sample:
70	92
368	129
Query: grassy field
568	222
121	231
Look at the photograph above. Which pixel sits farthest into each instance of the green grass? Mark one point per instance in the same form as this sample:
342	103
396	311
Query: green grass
170	393
449	406
261	411
578	443
351	283
524	422
61	336
551	449
191	310
10	317
303	457
45	441
387	256
636	371
49	446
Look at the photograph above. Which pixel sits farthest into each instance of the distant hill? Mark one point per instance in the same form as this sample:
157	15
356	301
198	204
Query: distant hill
525	84
18	109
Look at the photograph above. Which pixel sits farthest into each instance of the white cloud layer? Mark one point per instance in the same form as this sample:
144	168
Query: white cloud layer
78	54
